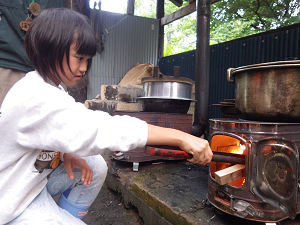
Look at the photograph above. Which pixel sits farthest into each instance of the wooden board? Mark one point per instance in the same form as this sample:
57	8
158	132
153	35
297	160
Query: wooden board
135	74
230	174
181	13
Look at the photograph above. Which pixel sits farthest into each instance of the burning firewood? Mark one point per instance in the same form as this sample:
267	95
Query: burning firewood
230	174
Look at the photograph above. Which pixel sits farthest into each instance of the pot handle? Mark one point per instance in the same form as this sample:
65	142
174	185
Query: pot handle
230	71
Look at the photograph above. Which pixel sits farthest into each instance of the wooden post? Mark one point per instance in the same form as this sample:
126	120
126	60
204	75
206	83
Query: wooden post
160	12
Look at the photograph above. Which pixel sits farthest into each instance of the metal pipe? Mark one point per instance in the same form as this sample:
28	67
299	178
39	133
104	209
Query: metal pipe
130	7
202	67
160	12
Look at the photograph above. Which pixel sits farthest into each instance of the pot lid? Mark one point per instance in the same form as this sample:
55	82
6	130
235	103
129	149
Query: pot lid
165	78
288	63
165	98
159	77
267	65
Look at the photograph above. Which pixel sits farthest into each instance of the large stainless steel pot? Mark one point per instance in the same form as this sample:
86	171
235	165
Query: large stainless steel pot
268	91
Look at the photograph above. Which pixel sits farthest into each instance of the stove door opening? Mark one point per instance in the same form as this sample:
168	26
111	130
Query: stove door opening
228	173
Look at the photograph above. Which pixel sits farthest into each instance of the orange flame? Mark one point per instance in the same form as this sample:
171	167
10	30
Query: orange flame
240	149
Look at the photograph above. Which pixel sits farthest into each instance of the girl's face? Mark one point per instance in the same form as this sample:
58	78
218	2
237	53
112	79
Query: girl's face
78	67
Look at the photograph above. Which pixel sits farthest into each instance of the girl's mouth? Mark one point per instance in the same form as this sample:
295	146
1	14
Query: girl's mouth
78	77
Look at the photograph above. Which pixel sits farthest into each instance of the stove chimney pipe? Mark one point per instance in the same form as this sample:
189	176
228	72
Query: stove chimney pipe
202	68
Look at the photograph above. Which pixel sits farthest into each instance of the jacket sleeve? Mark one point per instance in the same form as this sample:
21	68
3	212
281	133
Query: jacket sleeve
52	120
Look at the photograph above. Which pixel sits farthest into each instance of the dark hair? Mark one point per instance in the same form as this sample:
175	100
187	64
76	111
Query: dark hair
50	36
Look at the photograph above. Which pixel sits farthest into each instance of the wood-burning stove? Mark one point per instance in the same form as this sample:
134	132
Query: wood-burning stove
267	189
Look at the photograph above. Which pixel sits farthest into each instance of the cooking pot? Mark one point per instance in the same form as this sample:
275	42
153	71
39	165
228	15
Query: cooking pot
268	91
171	94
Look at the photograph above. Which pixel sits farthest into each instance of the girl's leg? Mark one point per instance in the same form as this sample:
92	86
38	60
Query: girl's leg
75	197
44	210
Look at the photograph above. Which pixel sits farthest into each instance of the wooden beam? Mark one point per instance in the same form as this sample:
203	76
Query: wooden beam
181	13
177	2
178	14
130	7
230	174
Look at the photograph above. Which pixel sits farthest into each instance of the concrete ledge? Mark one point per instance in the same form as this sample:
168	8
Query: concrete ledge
168	193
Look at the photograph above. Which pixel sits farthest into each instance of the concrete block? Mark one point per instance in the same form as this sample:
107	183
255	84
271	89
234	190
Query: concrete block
121	93
103	105
111	106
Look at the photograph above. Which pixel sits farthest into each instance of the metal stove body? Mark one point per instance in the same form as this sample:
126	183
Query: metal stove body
268	189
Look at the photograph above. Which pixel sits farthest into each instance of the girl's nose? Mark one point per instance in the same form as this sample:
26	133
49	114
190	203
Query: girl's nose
83	66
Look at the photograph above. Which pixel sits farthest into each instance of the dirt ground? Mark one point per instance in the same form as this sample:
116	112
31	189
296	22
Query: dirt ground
108	209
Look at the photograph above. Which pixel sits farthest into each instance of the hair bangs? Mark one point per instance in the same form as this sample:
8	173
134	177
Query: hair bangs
85	42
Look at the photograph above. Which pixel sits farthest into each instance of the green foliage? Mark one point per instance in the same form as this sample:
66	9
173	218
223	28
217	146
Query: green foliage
145	8
148	8
180	35
230	19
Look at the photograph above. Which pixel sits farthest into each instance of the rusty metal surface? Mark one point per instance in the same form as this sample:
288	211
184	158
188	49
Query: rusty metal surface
269	92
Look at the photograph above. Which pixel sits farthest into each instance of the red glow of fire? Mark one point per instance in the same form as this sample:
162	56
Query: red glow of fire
227	144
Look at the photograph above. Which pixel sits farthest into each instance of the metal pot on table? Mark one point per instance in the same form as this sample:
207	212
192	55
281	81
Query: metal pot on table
268	91
169	94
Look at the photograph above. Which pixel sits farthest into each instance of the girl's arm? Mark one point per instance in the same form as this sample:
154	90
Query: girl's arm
193	145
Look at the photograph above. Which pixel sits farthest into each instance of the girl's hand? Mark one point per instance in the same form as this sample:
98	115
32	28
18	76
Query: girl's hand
197	147
193	145
71	161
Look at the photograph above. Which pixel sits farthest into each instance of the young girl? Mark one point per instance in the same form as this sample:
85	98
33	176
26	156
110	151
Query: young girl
41	124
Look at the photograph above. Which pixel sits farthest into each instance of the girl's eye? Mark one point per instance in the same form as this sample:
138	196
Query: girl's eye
79	58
